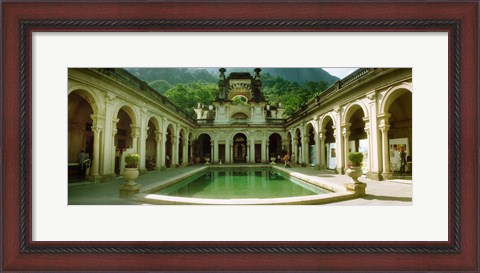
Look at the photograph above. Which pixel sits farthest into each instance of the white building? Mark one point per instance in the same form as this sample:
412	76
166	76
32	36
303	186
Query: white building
110	111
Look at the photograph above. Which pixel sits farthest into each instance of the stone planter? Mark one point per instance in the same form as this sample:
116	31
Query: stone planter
207	160
273	159
130	174
130	188
355	173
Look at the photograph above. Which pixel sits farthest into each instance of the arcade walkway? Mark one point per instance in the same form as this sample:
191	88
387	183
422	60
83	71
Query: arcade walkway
379	193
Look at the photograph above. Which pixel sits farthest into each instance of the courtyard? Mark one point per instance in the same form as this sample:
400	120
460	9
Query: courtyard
394	192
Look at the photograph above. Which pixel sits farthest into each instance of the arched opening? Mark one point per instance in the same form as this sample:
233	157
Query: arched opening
330	149
239	116
311	155
275	147
240	148
239	100
203	148
358	141
190	148
123	138
298	154
181	142
169	146
400	133
80	137
151	156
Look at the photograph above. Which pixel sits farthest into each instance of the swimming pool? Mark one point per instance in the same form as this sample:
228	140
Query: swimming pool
240	184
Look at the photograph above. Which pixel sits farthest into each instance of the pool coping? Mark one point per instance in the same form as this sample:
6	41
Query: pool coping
339	193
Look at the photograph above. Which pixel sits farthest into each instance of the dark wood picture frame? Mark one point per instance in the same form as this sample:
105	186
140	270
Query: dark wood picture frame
20	253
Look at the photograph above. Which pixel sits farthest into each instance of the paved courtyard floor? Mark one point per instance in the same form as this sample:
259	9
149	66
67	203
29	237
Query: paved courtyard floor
378	193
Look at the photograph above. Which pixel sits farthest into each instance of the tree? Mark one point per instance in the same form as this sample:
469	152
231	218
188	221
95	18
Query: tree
187	96
160	86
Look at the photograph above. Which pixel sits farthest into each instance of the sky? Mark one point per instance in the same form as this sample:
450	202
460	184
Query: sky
340	72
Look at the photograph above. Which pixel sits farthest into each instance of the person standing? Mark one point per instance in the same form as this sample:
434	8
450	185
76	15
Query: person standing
403	159
82	160
286	160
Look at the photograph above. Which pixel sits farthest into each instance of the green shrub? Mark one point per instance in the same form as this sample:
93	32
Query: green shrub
131	160
355	159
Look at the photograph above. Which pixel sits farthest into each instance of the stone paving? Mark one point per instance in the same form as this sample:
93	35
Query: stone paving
378	193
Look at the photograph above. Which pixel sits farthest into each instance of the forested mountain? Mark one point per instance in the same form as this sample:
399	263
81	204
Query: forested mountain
298	75
292	87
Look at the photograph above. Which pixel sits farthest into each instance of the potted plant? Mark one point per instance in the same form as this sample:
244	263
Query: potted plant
131	168
354	170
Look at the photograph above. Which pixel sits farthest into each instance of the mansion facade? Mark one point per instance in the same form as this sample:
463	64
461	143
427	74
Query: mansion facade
111	113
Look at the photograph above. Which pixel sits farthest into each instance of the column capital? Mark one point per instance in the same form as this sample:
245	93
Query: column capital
321	135
97	130
384	128
346	126
384	117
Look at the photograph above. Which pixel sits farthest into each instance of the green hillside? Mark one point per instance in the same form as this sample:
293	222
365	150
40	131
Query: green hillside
292	87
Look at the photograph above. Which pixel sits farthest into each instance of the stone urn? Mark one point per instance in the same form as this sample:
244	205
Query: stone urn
130	174
207	160
273	159
355	173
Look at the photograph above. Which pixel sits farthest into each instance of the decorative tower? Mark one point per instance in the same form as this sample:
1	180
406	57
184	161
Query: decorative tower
239	100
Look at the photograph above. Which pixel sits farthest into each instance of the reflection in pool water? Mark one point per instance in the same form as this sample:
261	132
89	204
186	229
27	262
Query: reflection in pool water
241	183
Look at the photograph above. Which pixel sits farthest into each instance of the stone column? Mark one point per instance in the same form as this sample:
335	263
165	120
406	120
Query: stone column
107	168
96	152
338	144
252	150
248	151
386	174
265	154
143	149
174	158
163	154
294	150
185	152
367	131
375	141
113	147
227	151
215	150
306	149
134	134
321	150
190	150
346	139
212	149
158	139
266	151
231	153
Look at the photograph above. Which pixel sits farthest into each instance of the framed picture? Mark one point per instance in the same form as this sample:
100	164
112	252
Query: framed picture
147	238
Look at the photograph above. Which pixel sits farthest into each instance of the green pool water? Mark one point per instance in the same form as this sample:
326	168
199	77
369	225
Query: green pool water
241	183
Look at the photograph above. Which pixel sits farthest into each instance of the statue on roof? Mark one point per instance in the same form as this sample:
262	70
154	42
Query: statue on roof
222	85
257	87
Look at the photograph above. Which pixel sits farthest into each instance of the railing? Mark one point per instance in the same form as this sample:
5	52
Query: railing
204	121
275	120
129	79
332	89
